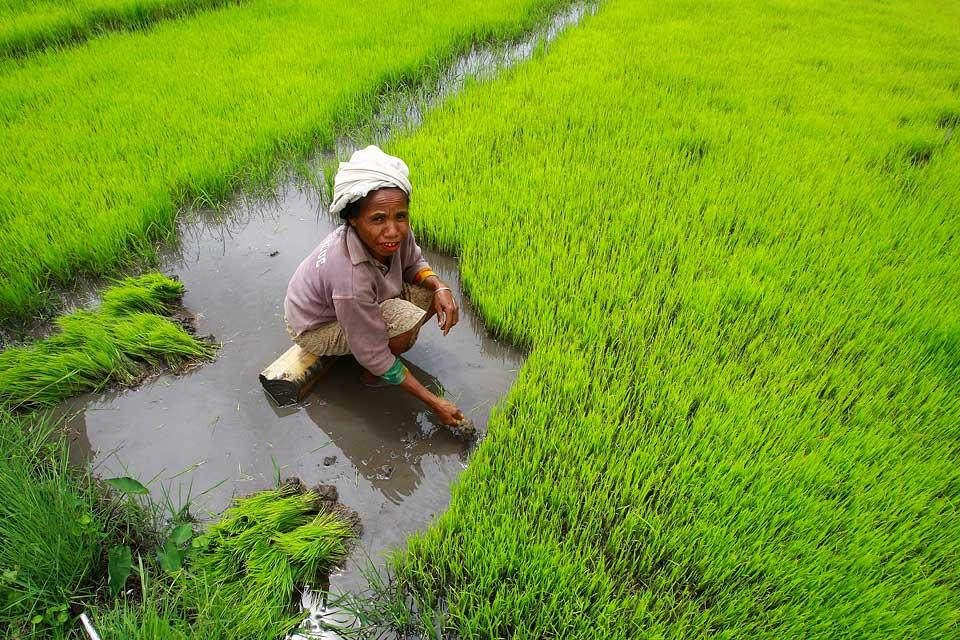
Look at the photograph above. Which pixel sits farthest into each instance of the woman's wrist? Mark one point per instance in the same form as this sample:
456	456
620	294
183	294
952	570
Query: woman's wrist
396	373
434	283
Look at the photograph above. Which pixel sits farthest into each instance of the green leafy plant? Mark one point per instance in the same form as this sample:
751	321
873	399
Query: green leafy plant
120	565
127	485
175	548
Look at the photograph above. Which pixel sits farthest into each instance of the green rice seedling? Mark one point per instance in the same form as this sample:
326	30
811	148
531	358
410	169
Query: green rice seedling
738	278
149	293
316	547
112	345
190	110
30	26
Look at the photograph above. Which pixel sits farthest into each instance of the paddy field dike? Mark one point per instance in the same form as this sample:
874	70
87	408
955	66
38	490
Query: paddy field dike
728	234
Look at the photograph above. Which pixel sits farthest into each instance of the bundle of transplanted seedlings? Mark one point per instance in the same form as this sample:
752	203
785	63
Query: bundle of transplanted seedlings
265	548
113	344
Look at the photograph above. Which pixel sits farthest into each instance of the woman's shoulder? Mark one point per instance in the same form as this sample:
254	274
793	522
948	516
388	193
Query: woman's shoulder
328	250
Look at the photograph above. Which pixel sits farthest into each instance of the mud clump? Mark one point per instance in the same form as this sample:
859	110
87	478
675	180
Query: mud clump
466	430
326	492
294	484
327	501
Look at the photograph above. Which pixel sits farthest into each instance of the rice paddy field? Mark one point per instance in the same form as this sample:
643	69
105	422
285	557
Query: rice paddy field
727	232
101	143
32	25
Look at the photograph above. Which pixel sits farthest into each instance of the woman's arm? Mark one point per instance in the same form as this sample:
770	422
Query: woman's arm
447	412
418	271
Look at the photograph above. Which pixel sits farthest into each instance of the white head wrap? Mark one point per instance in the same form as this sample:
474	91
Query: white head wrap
368	170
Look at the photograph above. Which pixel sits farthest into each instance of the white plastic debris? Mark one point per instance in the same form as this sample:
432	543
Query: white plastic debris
321	623
88	627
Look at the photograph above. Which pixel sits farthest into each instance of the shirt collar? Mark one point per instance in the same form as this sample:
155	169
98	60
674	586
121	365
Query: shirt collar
358	251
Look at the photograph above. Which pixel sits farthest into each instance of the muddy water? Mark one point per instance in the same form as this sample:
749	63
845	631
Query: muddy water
213	433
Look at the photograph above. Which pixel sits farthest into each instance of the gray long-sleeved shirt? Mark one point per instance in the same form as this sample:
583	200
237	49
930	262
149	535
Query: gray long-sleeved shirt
341	281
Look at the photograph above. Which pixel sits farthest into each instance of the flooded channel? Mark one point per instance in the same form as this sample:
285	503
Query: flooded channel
213	433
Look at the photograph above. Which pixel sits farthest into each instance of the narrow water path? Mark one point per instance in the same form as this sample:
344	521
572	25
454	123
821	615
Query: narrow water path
213	434
404	110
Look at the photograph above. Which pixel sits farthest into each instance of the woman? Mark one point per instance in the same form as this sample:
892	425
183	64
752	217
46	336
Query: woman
366	289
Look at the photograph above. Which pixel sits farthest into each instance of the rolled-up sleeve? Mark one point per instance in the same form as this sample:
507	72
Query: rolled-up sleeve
366	333
413	261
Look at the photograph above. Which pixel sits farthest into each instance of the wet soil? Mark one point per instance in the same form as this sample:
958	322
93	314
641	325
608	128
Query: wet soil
213	433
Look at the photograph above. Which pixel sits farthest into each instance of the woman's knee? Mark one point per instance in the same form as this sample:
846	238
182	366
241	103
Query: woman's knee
401	343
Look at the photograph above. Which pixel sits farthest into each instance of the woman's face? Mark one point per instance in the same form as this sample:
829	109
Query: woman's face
383	221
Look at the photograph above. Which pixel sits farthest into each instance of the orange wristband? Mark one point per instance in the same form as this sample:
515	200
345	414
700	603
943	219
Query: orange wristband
423	274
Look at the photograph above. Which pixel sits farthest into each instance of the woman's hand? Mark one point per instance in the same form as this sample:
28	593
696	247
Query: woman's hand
448	314
447	413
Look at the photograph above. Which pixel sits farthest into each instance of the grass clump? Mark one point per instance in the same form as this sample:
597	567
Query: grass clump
51	529
114	344
159	615
56	526
28	26
740	414
190	110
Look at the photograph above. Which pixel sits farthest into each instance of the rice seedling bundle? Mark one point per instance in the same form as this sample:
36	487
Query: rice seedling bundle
113	344
729	232
100	144
30	25
249	565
